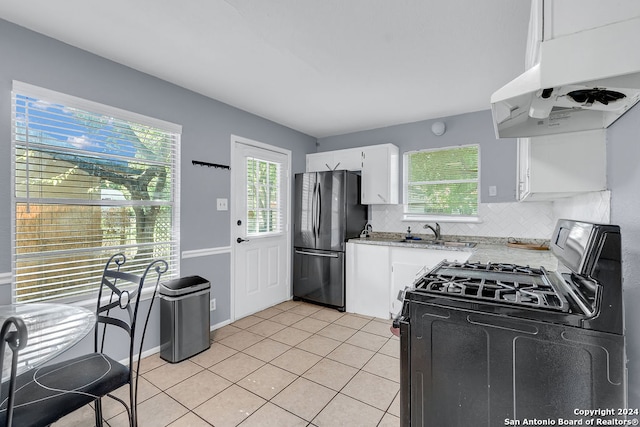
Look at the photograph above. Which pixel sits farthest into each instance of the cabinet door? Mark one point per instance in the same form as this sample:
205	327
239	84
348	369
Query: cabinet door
319	162
380	174
572	163
560	15
367	280
408	263
402	275
350	159
554	166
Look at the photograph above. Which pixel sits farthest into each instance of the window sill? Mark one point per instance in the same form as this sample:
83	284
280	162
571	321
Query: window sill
441	218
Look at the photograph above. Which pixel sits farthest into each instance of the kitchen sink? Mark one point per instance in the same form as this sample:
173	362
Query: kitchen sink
452	244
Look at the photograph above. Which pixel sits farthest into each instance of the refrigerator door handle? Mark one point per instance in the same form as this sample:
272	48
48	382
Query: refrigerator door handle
314	209
318	210
317	254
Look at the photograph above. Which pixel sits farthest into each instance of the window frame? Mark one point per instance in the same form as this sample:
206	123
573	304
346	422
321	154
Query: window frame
407	216
104	111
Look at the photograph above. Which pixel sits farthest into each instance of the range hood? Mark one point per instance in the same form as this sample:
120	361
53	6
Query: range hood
583	81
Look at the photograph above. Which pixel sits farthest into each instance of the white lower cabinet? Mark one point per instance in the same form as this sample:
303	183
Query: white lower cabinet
408	263
376	273
367	280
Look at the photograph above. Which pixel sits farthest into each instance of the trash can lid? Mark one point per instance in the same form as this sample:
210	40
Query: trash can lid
184	285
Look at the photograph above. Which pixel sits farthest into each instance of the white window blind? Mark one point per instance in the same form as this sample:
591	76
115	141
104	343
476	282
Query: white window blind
89	181
264	204
442	182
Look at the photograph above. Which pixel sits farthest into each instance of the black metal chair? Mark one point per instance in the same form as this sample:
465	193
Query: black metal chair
17	340
44	395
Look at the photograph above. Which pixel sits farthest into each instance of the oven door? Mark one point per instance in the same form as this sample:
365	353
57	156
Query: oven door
465	365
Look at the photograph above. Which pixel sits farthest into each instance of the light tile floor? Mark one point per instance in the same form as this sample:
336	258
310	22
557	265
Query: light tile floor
294	364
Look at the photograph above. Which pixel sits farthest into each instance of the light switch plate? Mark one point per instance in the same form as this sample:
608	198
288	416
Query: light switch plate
493	190
222	204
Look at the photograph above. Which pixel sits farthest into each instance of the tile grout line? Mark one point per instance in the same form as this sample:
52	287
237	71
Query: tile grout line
369	320
298	376
384	411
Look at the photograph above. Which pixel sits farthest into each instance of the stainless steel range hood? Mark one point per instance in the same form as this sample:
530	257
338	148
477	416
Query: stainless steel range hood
583	81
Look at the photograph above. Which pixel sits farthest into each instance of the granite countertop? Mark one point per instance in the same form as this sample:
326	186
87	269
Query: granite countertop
487	249
398	242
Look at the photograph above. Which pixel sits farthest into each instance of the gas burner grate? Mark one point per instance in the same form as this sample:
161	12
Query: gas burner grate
498	283
502	267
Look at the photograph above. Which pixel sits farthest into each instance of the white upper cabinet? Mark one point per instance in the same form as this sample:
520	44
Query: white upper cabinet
379	166
552	19
380	175
554	166
564	17
349	159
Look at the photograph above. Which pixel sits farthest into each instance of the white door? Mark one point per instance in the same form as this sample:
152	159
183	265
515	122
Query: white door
260	235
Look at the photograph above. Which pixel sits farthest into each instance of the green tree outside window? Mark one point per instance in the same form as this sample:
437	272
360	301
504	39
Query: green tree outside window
442	181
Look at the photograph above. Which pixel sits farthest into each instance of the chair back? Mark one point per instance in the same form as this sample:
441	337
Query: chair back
119	304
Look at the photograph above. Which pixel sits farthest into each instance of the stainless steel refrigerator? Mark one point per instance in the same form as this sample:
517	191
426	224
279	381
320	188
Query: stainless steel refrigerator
327	213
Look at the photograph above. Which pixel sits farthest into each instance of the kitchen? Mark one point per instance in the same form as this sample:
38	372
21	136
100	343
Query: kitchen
505	217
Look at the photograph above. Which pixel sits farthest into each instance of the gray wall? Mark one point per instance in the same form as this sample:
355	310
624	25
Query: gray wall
623	166
207	127
498	157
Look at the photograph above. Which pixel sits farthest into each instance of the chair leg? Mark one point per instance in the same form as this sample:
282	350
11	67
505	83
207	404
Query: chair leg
98	411
133	403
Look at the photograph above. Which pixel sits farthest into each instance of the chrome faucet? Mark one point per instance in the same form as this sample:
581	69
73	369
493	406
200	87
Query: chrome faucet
367	230
436	231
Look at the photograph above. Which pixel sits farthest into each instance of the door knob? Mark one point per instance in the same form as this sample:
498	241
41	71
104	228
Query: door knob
240	240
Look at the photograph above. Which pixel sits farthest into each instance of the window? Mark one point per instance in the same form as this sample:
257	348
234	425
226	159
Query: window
263	197
89	181
441	182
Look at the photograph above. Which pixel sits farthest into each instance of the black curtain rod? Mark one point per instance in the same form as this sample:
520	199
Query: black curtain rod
211	165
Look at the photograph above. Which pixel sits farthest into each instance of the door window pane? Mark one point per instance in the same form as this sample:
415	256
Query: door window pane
264	215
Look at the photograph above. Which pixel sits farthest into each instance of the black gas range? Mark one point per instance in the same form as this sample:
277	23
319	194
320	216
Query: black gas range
485	343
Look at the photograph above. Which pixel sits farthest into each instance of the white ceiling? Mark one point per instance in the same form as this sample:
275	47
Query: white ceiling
323	67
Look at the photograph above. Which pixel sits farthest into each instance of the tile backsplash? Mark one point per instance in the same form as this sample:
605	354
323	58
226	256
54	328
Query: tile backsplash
525	220
590	207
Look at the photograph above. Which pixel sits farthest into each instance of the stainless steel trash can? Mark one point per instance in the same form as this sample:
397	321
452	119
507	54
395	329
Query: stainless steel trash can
184	318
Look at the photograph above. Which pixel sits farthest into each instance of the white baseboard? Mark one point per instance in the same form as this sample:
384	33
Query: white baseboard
154	350
220	325
149	352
